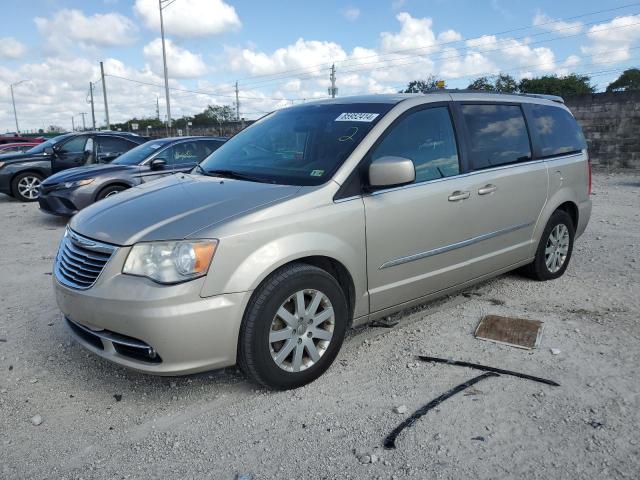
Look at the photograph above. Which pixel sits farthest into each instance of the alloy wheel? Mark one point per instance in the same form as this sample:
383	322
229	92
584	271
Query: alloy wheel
301	330
557	248
29	187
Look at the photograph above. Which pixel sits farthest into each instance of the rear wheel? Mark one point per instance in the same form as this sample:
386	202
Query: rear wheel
110	191
26	186
554	250
293	327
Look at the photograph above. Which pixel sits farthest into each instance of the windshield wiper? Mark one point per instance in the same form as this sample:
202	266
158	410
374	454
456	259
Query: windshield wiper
233	174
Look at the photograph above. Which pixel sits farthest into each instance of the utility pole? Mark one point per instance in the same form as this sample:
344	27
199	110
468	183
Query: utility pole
332	89
93	112
73	124
104	94
13	100
84	126
157	108
237	104
164	60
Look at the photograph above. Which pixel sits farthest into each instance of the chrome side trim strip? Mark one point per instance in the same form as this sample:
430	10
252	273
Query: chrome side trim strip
453	246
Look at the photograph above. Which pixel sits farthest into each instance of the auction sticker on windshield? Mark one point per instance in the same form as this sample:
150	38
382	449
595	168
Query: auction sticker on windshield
357	117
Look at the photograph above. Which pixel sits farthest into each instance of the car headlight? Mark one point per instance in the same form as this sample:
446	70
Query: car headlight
170	262
2	164
77	183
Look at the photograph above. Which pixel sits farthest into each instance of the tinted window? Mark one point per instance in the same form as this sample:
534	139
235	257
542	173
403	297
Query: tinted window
497	134
183	152
555	130
426	138
140	153
75	145
114	145
210	146
301	145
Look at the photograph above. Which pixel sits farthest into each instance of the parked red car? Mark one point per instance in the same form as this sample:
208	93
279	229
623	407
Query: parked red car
17	147
4	139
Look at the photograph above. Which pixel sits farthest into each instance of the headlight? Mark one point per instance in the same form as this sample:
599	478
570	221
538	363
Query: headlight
2	164
78	183
170	262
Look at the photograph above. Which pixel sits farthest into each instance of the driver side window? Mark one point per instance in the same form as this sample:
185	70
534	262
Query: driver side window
75	145
426	137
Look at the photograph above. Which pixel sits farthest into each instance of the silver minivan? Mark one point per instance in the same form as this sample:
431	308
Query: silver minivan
320	217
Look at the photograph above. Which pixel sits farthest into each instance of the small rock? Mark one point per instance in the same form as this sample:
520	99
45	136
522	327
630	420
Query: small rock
33	380
36	420
364	459
117	396
172	384
555	351
400	409
479	438
374	458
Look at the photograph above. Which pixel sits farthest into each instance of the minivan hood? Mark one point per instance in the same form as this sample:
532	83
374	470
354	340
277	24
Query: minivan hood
86	171
173	208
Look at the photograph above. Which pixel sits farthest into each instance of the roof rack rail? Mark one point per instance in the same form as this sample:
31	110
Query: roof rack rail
554	98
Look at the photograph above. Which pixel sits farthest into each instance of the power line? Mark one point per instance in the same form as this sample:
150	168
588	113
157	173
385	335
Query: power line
451	42
394	62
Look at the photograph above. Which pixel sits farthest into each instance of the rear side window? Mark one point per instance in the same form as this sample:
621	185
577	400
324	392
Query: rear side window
497	133
425	137
555	130
209	146
114	145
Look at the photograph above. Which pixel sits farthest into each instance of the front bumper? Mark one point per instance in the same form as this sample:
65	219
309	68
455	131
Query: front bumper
64	202
171	329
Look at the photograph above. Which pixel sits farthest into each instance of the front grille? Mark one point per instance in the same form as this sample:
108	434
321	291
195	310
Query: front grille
80	260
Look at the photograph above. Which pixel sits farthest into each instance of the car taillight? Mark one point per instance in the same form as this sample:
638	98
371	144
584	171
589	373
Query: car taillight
590	175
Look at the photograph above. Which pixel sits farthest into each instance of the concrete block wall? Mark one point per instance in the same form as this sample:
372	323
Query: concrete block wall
611	124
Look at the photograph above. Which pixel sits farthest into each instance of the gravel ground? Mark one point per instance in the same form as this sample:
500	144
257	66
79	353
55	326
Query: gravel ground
99	420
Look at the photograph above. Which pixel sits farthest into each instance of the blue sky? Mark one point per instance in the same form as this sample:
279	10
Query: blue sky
280	51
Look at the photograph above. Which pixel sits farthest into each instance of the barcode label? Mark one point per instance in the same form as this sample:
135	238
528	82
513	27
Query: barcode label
357	117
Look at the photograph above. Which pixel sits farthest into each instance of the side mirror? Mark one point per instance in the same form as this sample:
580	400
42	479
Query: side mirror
48	150
391	171
158	164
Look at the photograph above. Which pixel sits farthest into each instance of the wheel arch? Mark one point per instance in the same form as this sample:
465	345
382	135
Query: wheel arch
117	183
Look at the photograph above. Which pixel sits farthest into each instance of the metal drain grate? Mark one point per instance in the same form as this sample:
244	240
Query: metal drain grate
516	332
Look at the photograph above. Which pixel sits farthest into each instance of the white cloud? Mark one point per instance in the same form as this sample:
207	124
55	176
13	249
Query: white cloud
611	41
181	63
11	48
190	18
351	13
414	33
556	26
70	26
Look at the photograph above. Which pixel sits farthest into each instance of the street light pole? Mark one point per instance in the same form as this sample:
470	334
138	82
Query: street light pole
164	61
13	100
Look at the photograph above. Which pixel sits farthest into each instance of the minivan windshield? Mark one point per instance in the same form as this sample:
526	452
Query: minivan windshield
301	145
140	153
49	143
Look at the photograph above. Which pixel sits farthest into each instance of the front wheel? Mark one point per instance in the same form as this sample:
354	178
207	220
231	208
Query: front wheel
110	191
293	327
26	186
554	250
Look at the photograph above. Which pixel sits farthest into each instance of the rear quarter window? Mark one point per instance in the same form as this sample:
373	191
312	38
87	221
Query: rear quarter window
555	131
497	134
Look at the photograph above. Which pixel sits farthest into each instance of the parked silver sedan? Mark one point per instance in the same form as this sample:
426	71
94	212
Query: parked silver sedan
319	217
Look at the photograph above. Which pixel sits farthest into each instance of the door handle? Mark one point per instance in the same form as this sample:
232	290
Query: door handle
487	189
458	195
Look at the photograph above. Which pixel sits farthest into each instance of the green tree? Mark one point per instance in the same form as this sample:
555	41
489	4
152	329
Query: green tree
422	86
214	114
499	83
553	85
629	80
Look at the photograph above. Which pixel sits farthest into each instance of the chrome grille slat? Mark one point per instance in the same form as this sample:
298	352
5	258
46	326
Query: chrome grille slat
81	260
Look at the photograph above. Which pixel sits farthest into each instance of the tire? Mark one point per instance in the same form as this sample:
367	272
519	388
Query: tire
560	224
270	356
25	187
108	191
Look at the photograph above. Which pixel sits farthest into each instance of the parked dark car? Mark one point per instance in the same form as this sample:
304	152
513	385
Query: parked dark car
22	173
67	192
